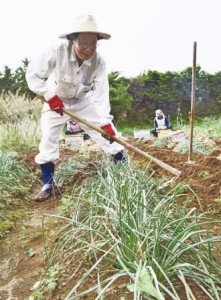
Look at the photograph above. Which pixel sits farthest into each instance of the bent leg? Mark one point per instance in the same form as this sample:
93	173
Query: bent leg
51	126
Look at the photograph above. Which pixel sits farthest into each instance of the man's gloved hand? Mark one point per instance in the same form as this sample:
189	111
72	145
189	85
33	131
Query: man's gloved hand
110	132
56	104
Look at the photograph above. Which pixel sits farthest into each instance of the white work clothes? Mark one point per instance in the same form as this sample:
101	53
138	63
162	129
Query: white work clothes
84	90
161	123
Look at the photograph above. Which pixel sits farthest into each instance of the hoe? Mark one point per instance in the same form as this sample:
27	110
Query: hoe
158	162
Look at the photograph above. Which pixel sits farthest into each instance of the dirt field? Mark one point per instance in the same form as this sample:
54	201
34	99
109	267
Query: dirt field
22	255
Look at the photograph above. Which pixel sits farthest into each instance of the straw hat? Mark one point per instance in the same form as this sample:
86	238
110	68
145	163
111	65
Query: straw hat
86	23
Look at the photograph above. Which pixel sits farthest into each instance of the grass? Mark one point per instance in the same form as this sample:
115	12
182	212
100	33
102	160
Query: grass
19	131
120	217
65	173
14	108
203	135
199	146
19	137
129	130
207	127
15	185
19	123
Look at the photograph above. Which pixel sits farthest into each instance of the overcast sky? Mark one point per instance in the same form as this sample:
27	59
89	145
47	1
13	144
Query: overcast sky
146	34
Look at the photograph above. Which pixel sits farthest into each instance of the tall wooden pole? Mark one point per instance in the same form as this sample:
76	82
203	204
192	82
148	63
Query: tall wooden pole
192	112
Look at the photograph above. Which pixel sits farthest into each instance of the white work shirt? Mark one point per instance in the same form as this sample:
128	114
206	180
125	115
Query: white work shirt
71	82
161	122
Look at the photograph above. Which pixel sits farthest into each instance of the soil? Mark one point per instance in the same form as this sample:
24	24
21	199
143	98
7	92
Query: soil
23	252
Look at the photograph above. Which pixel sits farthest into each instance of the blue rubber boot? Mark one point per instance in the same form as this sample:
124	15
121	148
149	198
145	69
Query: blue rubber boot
119	157
47	174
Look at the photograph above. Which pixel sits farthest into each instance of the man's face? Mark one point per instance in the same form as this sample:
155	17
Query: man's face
85	45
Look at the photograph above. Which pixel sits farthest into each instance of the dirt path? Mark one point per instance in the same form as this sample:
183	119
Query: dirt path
22	258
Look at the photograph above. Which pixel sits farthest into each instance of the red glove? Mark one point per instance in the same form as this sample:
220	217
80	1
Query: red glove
110	132
56	104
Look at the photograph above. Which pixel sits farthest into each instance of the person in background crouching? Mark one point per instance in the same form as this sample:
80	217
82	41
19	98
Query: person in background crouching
73	127
161	122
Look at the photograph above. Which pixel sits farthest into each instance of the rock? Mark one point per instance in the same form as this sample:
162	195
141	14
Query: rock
36	286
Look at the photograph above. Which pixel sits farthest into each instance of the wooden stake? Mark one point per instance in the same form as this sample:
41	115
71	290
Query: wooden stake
192	112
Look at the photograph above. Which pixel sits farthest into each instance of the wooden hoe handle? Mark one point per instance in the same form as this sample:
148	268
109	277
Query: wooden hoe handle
158	162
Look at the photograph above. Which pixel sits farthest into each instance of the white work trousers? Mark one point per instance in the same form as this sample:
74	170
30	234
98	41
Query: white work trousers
52	124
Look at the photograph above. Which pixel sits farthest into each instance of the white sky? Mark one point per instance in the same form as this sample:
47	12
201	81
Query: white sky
146	34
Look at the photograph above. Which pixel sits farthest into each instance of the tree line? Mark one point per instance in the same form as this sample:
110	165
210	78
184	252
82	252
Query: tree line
134	100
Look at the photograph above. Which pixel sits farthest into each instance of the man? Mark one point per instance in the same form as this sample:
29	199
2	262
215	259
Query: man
160	122
81	86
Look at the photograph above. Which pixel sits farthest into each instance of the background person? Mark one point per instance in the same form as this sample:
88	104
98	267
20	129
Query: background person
73	127
161	122
81	86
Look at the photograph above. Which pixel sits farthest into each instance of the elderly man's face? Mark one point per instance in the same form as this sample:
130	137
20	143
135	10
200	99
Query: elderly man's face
85	45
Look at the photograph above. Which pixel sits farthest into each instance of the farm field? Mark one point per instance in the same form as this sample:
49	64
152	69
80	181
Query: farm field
25	250
202	174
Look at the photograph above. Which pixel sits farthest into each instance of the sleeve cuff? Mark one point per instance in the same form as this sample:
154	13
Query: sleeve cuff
105	121
48	95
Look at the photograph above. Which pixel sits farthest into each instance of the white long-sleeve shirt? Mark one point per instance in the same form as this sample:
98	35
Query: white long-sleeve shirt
71	82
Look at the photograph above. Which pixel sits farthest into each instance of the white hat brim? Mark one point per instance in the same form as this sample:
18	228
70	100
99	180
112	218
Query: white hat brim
103	35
